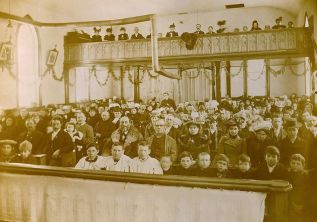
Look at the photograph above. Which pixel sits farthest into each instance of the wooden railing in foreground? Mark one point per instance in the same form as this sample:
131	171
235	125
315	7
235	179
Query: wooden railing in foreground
277	191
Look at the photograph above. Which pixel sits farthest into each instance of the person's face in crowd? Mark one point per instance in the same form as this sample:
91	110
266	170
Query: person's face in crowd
56	124
117	152
213	125
261	135
117	114
136	30
271	160
81	118
172	28
244	166
134	111
30	125
308	108
154	119
160	127
125	123
277	123
242	122
233	131
105	116
9	121
169	120
186	162
166	163
92	112
92	152
25	153
6	149
204	161
101	109
49	129
143	152
249	107
294	106
23	113
189	108
222	165
73	120
286	115
198	27
70	128
193	129
255	25
210	29
164	113
165	96
296	166
149	108
241	105
292	132
36	118
305	116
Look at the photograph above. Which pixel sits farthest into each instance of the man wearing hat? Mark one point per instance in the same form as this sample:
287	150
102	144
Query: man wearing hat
278	24
136	34
292	143
96	37
193	140
166	101
172	32
221	25
231	144
198	30
123	35
7	152
109	36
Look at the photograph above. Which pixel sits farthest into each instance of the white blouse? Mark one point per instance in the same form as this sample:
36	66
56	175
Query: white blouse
85	164
123	165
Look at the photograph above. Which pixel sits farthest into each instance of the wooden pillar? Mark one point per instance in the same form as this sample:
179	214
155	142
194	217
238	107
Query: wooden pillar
218	81
121	82
245	78
180	70
136	84
66	85
267	78
89	84
228	78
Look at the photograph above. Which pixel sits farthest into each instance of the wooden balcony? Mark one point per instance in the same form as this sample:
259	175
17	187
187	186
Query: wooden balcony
227	46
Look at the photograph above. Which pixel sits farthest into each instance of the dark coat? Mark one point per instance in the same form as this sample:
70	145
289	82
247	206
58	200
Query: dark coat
194	144
256	150
171	34
165	145
215	173
96	38
168	102
279	173
287	149
110	37
38	140
199	32
123	36
182	171
139	36
243	175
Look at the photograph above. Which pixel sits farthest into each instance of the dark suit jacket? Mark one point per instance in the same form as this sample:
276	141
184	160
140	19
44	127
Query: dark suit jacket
172	34
38	140
139	36
279	173
110	37
123	36
287	149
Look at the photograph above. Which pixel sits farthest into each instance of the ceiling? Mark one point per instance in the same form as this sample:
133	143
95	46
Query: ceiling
89	10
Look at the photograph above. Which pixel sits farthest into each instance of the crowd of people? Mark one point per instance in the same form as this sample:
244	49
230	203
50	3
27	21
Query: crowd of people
81	36
245	138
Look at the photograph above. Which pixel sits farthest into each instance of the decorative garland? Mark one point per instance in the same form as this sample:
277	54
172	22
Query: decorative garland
131	78
93	71
232	74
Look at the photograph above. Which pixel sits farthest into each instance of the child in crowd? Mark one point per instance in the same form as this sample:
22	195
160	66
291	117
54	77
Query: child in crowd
143	163
244	168
299	195
92	161
7	152
186	162
117	161
24	156
166	164
222	167
271	169
203	165
76	136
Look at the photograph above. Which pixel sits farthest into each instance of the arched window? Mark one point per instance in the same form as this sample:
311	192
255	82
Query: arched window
27	59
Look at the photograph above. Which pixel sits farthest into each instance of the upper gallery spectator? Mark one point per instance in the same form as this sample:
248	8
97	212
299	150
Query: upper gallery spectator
290	25
136	34
278	24
221	25
198	29
210	30
166	101
60	148
7	152
172	32
117	161
144	163
123	35
96	37
35	137
109	36
92	161
255	26
162	144
128	135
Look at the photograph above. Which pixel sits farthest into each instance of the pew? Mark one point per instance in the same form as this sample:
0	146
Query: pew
42	193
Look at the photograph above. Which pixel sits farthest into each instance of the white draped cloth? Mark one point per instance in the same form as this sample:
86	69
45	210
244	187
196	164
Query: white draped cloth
31	198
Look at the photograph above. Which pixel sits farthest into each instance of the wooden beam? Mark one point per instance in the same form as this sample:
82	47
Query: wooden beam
245	78
121	82
66	85
213	82
267	78
228	78
136	84
218	81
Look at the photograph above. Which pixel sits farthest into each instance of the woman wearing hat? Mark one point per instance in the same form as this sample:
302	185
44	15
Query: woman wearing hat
96	37
7	152
123	35
221	25
255	26
109	36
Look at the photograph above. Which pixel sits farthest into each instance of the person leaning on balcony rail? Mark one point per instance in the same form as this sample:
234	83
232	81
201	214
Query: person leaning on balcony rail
172	32
96	37
136	34
123	35
109	36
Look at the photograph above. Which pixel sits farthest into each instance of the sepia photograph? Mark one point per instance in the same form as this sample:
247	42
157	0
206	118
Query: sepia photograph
158	110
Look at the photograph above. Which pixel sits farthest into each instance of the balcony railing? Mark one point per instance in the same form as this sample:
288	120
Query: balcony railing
294	41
